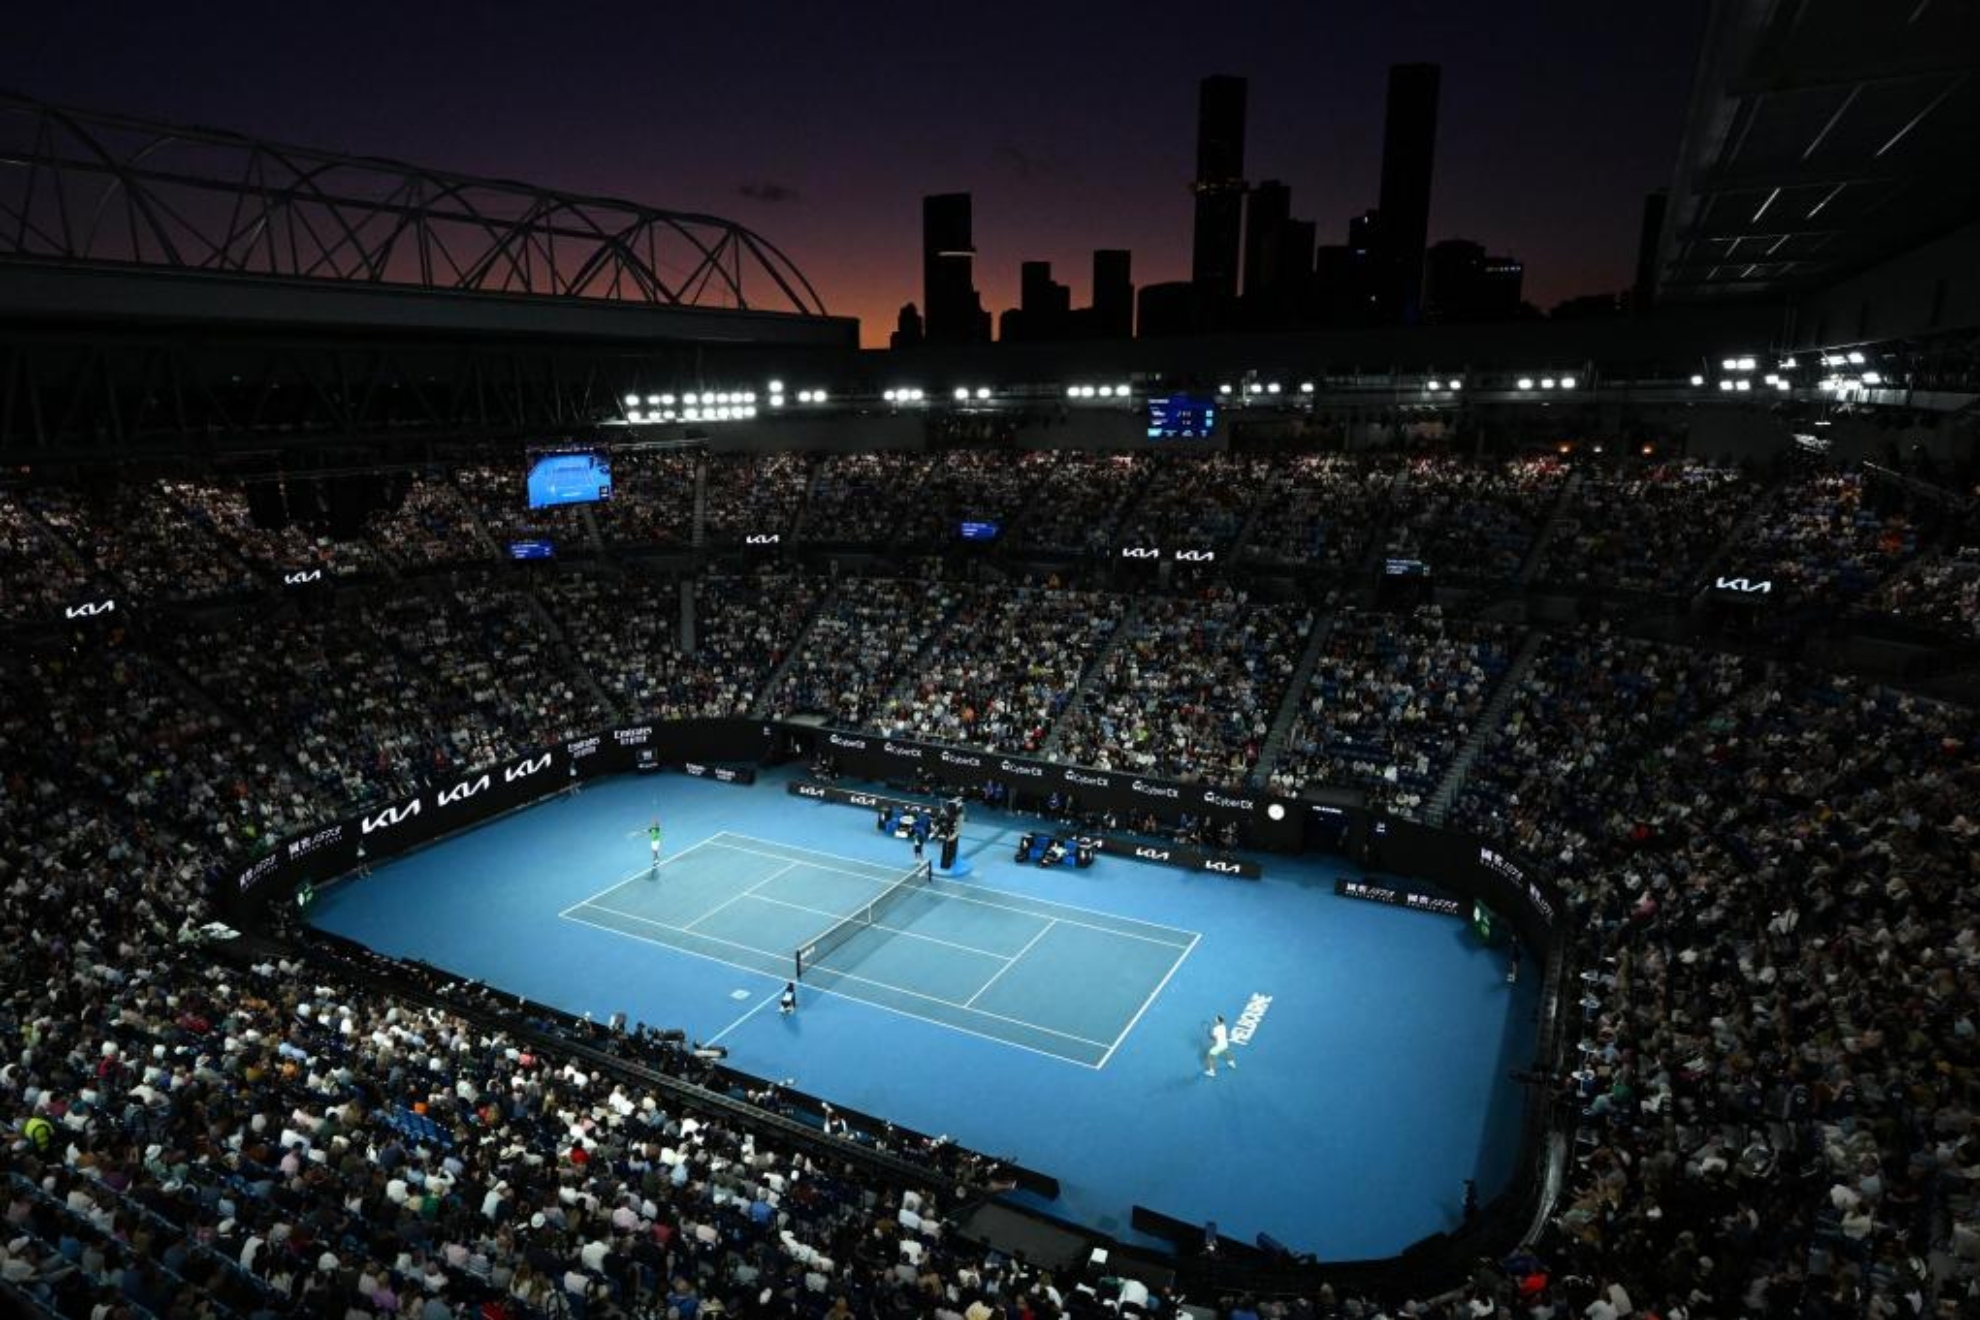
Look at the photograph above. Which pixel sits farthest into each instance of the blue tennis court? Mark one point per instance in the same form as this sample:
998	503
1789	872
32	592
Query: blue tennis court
1056	1016
1022	971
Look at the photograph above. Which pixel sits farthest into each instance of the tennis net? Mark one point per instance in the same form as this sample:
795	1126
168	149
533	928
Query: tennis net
866	917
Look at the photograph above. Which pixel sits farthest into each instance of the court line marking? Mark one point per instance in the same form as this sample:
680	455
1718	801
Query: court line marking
824	990
854	976
741	894
1070	907
874	925
634	875
1153	995
761	1005
1012	962
1001	907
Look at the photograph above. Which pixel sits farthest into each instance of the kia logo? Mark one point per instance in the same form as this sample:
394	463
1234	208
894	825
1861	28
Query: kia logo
862	800
90	610
467	788
523	769
1140	552
1195	556
390	816
1224	868
303	576
1743	584
763	538
810	791
1151	854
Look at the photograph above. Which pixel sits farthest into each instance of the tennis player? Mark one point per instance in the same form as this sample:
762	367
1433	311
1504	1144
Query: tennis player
1220	1044
653	837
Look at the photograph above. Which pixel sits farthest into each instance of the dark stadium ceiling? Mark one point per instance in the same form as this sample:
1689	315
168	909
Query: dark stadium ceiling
1824	136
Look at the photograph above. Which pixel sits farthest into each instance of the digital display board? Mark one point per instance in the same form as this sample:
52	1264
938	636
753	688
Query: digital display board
1181	417
980	531
575	477
532	549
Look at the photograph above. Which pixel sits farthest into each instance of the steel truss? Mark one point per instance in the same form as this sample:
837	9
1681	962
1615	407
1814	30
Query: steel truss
80	187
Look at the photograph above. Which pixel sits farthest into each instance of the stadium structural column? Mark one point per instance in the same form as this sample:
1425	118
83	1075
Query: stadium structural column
1409	145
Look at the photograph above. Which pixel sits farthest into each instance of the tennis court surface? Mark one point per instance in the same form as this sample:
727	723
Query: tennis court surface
1040	976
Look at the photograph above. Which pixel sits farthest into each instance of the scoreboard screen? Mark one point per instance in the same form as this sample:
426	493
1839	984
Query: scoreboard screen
580	477
1181	417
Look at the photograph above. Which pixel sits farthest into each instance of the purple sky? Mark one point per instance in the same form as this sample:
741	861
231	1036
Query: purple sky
821	126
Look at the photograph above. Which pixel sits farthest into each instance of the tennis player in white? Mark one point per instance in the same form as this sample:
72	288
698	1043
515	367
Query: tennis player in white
1220	1044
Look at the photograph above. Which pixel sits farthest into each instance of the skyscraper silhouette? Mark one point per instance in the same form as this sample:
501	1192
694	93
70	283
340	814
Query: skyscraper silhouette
1409	143
1219	187
1113	294
952	312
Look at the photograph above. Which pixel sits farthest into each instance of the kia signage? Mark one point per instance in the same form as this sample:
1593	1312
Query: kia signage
1195	556
303	577
91	609
1181	856
1149	553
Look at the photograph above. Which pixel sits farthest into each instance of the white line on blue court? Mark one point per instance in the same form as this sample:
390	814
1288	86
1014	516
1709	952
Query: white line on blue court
1001	907
892	930
818	989
762	1004
852	976
737	897
1011	963
1152	996
644	870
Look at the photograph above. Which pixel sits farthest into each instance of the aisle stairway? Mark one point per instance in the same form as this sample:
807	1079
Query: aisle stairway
1130	623
760	707
1293	702
1538	550
562	641
1483	729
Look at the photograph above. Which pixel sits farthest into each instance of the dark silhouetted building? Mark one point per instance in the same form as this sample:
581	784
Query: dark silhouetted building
1044	309
907	329
1644	292
1267	211
1168	310
1112	314
952	311
1346	279
1462	283
1591	307
1409	142
1219	187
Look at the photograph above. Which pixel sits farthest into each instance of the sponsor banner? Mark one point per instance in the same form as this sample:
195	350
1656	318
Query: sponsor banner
84	611
1195	556
901	761
1150	553
721	774
1743	588
304	577
1177	855
1380	891
1180	855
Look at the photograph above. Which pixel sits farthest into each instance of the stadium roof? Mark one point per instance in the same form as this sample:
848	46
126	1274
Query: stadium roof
1824	136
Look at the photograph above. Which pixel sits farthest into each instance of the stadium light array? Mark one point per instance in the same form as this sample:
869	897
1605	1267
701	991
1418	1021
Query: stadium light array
776	400
1873	378
1747	364
1697	380
1272	388
1567	383
1743	386
982	391
1526	382
776	387
1855	358
1223	389
632	401
1306	387
1432	386
1453	384
1546	382
1726	385
962	392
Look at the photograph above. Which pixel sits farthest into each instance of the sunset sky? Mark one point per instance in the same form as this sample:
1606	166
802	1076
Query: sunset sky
822	126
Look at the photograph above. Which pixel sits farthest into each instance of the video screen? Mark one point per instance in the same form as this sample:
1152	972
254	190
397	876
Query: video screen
577	477
981	531
1182	417
532	550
